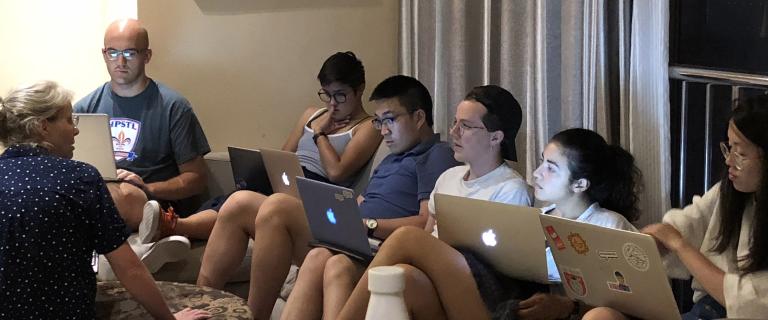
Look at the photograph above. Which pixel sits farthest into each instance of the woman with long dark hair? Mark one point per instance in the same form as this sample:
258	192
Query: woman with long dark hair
720	239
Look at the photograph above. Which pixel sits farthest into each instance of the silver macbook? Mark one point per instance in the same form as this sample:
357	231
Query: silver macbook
506	236
93	145
610	268
265	171
282	169
334	218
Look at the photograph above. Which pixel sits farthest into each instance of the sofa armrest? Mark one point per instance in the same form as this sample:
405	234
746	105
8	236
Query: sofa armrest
220	180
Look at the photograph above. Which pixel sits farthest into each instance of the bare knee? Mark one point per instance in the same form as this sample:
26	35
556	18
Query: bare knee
133	193
281	202
603	313
129	201
315	260
279	210
404	236
243	200
340	268
412	274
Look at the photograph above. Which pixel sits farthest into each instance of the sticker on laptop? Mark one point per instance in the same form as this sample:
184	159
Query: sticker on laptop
620	284
607	254
345	194
574	281
555	237
578	243
635	256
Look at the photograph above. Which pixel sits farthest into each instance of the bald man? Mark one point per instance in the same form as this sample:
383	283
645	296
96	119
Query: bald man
157	140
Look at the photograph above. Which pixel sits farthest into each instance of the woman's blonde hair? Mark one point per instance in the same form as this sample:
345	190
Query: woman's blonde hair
24	108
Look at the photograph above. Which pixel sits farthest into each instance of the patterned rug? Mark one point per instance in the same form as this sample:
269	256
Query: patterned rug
114	302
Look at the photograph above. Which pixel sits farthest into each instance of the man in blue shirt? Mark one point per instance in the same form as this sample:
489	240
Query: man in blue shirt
157	140
397	195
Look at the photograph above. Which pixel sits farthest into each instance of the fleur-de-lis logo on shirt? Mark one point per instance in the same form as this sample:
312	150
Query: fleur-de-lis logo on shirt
125	136
121	140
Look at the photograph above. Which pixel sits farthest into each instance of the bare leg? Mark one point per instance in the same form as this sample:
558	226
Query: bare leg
339	279
197	226
281	237
444	266
603	313
306	299
129	201
420	296
229	239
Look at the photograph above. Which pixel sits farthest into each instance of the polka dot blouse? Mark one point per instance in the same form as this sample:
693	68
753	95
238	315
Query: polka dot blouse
54	213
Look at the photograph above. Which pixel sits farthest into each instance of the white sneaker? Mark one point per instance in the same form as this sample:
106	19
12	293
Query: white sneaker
150	222
170	249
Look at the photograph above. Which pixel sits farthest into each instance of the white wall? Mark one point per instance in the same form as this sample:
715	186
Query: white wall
56	40
249	67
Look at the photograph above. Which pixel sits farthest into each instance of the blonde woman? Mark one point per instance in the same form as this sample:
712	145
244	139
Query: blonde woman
54	212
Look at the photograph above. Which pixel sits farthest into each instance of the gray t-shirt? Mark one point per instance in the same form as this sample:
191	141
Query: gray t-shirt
152	132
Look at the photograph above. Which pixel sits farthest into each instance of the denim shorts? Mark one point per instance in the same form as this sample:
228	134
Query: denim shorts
706	308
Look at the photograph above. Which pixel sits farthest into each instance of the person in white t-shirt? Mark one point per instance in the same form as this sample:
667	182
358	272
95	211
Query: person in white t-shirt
584	177
720	238
483	137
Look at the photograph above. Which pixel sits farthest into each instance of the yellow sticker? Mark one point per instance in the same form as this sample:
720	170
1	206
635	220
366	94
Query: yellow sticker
578	243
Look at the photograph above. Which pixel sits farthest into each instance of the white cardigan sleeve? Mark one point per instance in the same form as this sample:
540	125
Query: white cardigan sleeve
745	295
692	222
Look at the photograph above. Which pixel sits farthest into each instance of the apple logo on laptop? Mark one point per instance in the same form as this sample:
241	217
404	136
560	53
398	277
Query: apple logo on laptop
489	238
285	180
331	216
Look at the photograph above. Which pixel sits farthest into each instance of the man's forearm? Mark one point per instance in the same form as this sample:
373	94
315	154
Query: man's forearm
183	186
387	226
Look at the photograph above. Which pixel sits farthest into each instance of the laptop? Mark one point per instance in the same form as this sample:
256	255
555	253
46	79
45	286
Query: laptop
506	236
611	268
334	219
93	145
282	169
265	171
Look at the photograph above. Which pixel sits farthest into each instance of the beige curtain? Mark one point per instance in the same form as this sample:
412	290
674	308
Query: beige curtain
646	133
567	63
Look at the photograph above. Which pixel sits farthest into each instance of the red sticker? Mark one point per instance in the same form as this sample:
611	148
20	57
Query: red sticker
555	237
575	282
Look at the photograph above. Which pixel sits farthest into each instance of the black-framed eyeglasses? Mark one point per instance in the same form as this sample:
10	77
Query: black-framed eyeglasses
339	97
463	127
389	121
128	54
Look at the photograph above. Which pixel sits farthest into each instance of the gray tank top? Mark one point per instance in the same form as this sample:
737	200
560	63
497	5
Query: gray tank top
309	156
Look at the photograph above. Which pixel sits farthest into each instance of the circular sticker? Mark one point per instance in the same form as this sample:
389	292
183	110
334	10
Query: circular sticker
635	256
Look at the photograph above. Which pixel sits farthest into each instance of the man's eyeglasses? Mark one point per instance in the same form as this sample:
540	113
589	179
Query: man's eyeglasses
387	121
463	127
738	159
75	120
128	54
326	97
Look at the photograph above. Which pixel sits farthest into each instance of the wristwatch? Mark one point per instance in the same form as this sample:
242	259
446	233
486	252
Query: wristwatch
372	224
317	135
